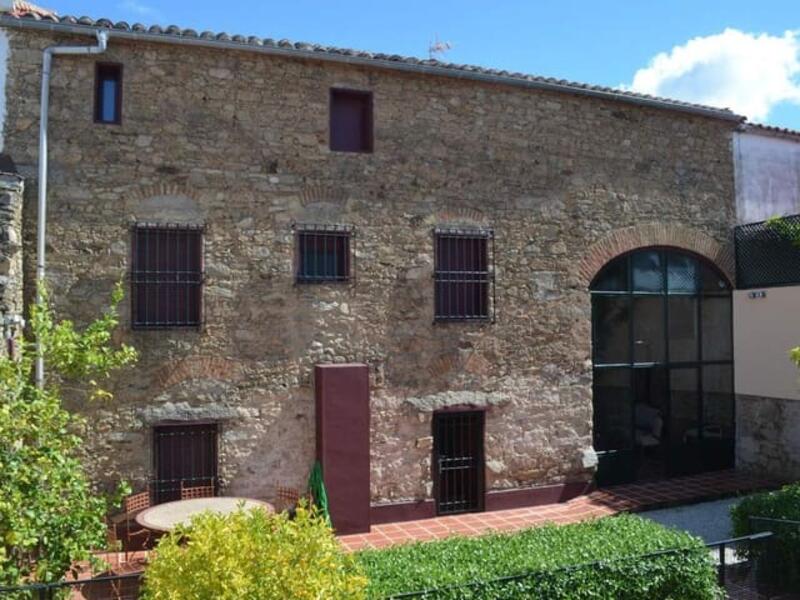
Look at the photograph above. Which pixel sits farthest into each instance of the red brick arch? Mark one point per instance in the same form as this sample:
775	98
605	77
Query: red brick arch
196	367
625	240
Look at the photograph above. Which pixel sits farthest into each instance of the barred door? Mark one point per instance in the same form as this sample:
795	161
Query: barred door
458	461
185	455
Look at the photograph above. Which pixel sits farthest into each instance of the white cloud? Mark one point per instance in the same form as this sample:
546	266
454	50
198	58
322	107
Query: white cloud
745	72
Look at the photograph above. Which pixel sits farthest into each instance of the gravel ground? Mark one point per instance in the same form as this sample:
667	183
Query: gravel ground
709	520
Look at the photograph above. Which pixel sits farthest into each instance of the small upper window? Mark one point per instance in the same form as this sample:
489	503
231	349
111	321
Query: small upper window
108	93
323	254
351	121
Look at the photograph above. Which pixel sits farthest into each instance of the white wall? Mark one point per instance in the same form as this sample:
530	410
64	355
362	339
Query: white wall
764	329
767	169
3	69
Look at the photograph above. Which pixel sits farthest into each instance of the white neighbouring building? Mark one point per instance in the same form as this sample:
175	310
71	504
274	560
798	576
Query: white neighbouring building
766	305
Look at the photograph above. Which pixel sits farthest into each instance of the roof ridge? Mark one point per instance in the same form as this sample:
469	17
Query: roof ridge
173	31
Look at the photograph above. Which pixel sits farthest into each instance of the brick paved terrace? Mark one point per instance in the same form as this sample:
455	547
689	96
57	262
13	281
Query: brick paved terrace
601	503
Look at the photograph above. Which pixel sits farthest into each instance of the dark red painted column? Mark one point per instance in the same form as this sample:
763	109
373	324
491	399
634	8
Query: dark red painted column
342	394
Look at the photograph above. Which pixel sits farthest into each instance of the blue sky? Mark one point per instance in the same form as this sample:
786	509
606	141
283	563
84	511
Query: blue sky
735	53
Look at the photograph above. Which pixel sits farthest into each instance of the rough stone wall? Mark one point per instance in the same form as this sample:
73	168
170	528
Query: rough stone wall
768	436
11	279
239	141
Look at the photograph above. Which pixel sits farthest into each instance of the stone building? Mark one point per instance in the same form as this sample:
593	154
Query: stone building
279	206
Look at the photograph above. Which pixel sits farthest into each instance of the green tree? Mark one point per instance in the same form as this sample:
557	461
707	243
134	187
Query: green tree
789	230
50	515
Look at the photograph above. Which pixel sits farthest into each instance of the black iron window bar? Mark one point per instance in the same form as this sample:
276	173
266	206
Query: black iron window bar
323	253
464	281
166	275
766	254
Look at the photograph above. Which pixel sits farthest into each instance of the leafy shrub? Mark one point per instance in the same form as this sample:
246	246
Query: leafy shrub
783	560
50	517
548	553
253	555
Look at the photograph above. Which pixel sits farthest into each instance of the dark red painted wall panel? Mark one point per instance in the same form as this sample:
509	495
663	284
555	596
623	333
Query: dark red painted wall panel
342	398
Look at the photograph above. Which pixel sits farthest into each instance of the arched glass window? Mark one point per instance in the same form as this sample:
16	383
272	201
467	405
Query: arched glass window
663	366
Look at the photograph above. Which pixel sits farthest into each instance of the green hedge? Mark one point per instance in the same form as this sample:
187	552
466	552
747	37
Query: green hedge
780	557
549	553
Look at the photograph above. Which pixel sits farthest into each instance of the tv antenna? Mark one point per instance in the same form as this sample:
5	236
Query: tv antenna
438	48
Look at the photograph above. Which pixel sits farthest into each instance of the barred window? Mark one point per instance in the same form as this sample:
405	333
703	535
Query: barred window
462	276
166	276
323	253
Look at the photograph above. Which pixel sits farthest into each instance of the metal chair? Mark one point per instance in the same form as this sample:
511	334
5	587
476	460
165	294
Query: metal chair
286	497
196	491
131	506
136	503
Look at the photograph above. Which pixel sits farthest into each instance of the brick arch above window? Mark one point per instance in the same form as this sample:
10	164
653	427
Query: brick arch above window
323	194
164	202
625	240
451	214
139	193
196	368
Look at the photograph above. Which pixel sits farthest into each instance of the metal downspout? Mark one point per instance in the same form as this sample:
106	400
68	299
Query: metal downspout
44	117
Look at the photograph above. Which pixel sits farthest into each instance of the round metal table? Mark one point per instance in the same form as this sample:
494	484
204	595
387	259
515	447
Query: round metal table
166	517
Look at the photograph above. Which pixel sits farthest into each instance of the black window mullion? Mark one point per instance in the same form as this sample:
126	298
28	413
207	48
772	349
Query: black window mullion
437	291
701	370
142	273
335	274
306	257
448	305
188	278
200	260
493	283
457	266
445	306
469	309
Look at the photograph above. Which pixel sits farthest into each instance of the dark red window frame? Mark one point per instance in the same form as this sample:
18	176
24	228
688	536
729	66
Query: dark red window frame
166	276
107	72
351	121
463	277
